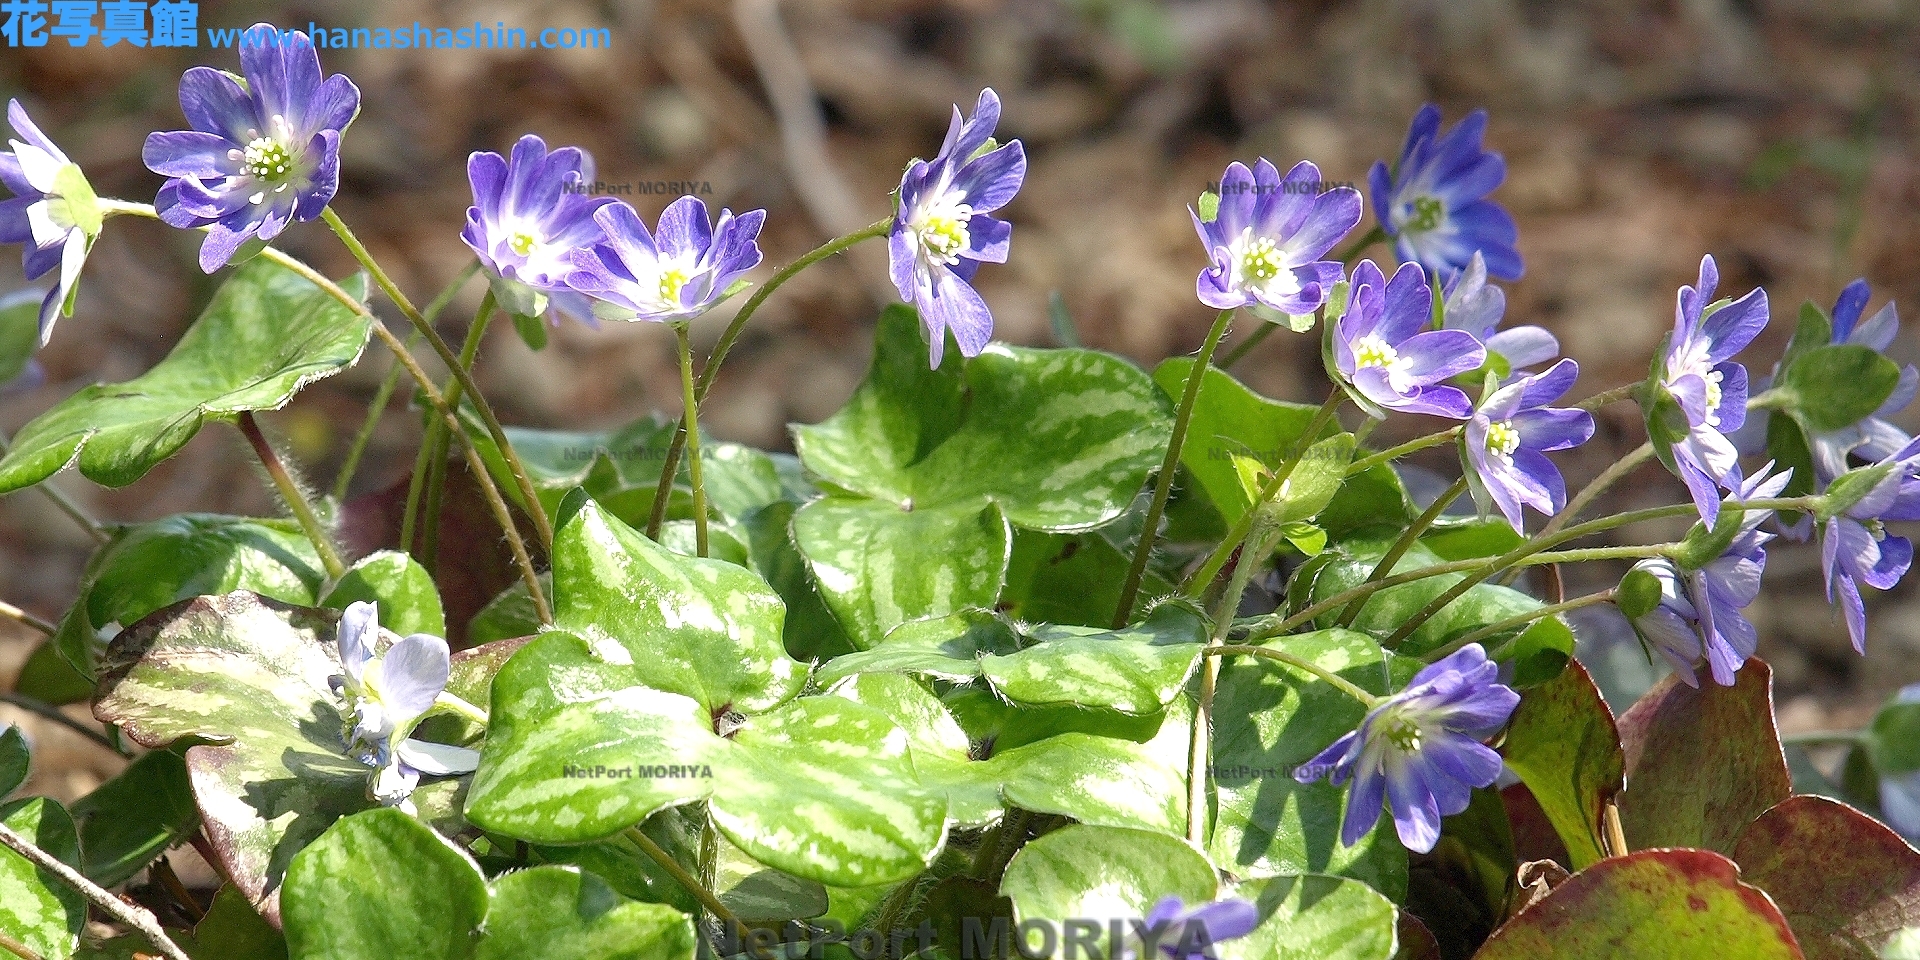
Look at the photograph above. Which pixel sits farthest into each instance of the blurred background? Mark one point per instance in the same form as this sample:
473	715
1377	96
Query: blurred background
1779	135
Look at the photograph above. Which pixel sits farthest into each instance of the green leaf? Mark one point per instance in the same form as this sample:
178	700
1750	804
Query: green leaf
14	760
1563	745
232	930
509	614
1270	718
380	885
560	913
267	334
811	629
176	558
37	908
1538	652
250	677
1844	881
1060	439
1893	739
1137	669
1069	578
19	332
1835	386
822	788
1314	917
1228	419
1689	902
48	677
1638	594
1701	763
128	821
409	602
532	331
760	894
878	566
706	629
1081	875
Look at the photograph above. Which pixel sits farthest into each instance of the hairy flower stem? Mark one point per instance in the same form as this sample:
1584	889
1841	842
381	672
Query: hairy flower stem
1199	748
1407	539
692	884
495	503
1545	541
542	526
1272	653
435	448
1197	584
1391	454
999	844
1614	473
378	408
1518	620
691	419
290	492
125	911
1608	397
1163	484
670	467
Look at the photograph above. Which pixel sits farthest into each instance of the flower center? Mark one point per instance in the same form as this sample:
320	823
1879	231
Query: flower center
267	159
1503	440
1404	734
940	230
1261	261
522	242
1427	211
672	279
1371	351
1713	378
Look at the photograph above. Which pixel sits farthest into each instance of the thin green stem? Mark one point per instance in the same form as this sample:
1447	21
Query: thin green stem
700	891
53	713
531	500
437	438
1519	620
999	845
1408	538
1199	747
74	511
449	703
1608	397
1391	454
670	467
17	948
291	493
126	911
378	407
1339	683
1169	467
1371	237
1197	584
1254	339
1613	474
27	618
691	418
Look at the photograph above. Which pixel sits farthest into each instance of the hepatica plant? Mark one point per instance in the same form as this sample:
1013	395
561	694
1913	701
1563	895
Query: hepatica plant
1024	652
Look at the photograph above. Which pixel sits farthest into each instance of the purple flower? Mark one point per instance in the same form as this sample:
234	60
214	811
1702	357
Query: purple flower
1433	201
1268	236
1506	441
1476	306
1383	348
527	219
262	153
942	231
53	212
1856	547
1184	934
1699	613
387	694
1711	390
672	276
1420	750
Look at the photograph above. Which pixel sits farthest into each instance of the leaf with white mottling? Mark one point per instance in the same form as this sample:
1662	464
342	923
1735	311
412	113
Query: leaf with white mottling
1098	875
37	908
878	566
1314	917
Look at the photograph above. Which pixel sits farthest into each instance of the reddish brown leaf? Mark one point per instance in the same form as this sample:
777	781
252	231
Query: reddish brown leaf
1845	882
1564	745
1533	835
1670	904
1701	764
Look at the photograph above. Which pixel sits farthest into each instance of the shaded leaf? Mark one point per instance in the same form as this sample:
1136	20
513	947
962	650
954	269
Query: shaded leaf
1845	882
37	908
561	913
128	821
1701	764
1314	917
1563	744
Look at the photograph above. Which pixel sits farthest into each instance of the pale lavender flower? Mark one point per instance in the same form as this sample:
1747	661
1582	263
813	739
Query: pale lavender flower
1433	202
387	694
264	151
1184	934
527	218
670	276
1699	613
1420	751
1856	547
1269	235
53	213
1383	348
1506	441
1710	389
942	232
1476	306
